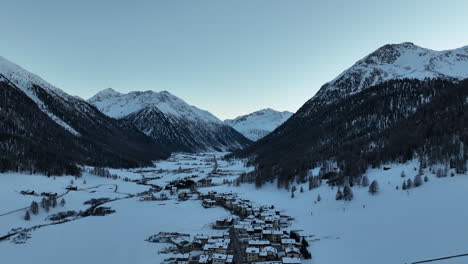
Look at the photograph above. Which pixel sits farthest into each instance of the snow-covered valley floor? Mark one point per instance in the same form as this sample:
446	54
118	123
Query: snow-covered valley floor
393	226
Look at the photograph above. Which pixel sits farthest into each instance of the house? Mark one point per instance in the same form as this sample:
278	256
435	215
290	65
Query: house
204	259
288	242
208	203
218	258
183	195
259	243
268	253
252	253
287	260
292	252
182	258
272	235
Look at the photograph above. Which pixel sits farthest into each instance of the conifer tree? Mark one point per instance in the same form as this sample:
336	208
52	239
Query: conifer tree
339	195
409	184
418	181
365	181
34	207
374	187
27	217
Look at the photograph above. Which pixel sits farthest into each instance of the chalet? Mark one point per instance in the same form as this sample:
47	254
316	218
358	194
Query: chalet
272	235
197	244
252	253
288	242
224	222
208	203
268	253
202	238
183	195
259	243
292	252
218	259
204	259
182	258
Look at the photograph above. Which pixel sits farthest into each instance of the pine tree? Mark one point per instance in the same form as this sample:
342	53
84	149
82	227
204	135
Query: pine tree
403	175
348	193
292	194
34	207
62	202
403	186
339	195
374	187
302	190
418	181
409	184
319	198
53	201
27	217
365	181
426	179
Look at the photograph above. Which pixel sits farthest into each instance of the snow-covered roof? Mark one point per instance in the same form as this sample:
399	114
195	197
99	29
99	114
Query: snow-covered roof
287	260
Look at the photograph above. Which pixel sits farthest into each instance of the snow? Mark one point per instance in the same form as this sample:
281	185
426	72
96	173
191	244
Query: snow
25	80
258	124
119	105
394	226
396	61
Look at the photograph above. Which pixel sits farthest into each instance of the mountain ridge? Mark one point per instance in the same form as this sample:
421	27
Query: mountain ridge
258	124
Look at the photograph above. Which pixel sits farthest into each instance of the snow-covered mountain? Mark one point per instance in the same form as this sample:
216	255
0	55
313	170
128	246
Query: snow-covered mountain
395	103
170	120
47	130
258	124
394	61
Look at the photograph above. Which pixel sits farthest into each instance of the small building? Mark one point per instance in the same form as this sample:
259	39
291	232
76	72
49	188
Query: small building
208	203
218	258
204	259
288	242
259	243
292	252
182	258
268	253
252	253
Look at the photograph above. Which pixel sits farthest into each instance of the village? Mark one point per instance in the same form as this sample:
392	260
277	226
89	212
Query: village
254	234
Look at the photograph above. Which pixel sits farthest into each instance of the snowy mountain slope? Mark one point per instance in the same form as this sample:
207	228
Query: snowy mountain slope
170	121
46	130
26	81
376	111
119	105
258	124
394	61
393	226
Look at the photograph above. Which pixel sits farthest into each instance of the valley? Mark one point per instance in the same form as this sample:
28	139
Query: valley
404	221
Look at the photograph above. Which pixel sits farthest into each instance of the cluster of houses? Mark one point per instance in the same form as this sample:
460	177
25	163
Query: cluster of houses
259	230
207	250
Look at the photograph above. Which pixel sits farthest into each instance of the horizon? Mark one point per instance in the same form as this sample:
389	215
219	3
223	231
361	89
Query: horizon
221	57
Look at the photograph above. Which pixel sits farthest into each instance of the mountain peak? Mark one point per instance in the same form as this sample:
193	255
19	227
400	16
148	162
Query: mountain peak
395	61
259	123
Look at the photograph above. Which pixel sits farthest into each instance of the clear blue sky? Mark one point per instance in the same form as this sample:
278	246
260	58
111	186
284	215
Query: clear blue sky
228	57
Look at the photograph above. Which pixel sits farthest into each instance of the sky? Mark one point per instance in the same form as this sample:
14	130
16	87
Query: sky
228	57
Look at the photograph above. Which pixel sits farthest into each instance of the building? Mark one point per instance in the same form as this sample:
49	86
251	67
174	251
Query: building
292	252
182	258
252	254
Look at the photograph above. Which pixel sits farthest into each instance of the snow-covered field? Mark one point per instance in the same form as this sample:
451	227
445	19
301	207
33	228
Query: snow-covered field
394	226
